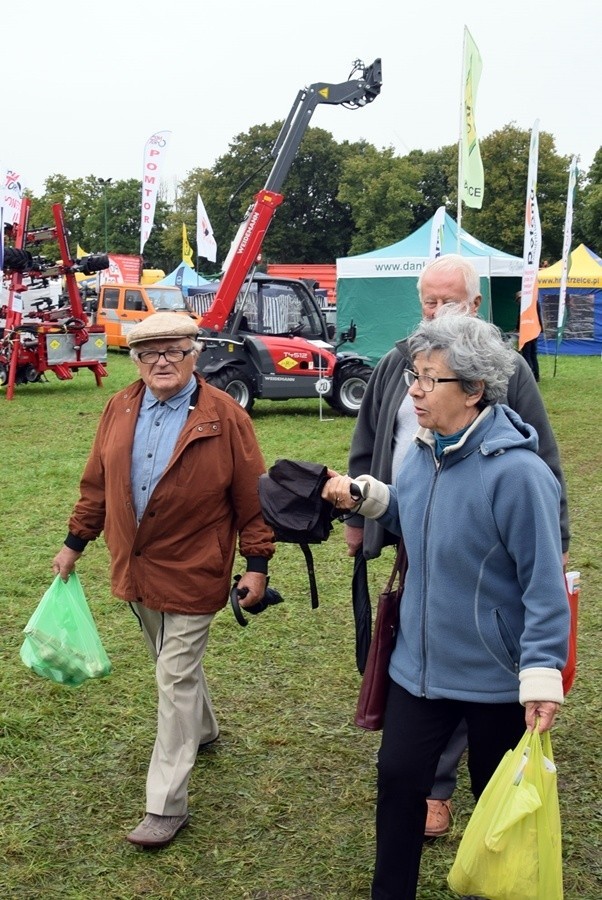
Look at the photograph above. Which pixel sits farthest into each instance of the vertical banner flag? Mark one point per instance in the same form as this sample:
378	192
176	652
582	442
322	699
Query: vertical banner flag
12	193
529	326
566	249
186	248
438	222
154	155
472	183
205	242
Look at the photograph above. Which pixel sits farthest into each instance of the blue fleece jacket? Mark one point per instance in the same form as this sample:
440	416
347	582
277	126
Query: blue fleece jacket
484	599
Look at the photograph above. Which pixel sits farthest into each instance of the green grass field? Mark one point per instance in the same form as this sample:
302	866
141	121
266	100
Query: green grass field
282	808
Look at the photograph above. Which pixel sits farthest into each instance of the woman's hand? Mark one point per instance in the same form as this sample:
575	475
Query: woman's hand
336	491
544	710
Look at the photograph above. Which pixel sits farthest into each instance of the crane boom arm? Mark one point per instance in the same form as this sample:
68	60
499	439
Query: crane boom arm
246	246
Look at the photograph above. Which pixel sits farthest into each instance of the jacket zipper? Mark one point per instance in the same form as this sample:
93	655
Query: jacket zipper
425	573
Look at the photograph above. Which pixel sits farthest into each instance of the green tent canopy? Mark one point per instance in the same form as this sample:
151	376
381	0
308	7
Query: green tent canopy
378	290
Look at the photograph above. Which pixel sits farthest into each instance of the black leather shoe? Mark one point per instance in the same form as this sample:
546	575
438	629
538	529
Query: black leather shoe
206	744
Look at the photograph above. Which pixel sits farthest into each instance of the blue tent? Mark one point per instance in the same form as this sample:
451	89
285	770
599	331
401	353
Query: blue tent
183	276
378	290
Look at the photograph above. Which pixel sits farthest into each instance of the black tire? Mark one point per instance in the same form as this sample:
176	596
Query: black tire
89	265
349	388
29	374
235	383
17	260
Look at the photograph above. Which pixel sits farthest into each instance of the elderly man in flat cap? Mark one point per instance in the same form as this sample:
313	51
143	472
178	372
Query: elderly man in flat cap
171	481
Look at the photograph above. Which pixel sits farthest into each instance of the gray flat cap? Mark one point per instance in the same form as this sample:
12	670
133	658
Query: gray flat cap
163	326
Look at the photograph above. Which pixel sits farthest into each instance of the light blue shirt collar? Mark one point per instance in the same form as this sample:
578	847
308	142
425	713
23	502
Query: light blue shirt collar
149	400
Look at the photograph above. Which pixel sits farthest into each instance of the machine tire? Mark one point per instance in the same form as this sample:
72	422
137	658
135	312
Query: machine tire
17	260
349	388
235	383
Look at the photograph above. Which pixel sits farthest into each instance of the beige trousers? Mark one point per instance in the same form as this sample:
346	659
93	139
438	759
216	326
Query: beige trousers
185	717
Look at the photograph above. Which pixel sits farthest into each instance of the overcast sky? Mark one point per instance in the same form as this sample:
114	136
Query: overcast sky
86	84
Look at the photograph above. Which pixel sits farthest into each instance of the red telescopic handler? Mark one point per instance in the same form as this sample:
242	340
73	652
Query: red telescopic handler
266	337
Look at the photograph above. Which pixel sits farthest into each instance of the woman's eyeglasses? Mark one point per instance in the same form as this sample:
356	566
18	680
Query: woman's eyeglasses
425	382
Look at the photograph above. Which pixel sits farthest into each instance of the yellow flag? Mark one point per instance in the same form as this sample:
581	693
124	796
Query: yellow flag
186	248
81	253
471	167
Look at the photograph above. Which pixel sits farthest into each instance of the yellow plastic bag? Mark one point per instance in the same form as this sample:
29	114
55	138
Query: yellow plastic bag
511	849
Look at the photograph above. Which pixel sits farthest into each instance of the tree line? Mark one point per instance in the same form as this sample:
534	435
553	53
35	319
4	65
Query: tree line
340	199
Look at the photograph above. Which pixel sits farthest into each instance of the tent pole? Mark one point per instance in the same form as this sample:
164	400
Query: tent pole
459	214
461	122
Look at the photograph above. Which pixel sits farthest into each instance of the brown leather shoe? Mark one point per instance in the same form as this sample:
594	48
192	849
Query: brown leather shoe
437	818
157	831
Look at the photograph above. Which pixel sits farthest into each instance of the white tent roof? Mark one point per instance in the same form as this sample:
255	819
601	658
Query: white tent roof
408	257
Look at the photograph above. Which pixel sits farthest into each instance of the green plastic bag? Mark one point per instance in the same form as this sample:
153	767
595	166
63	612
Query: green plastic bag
61	640
511	849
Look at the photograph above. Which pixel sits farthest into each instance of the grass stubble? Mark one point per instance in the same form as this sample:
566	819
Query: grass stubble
283	806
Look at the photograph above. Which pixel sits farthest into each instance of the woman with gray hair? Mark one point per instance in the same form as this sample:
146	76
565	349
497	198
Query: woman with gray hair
484	618
474	350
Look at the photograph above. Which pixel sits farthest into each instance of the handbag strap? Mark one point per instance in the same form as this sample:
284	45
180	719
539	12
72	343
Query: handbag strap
400	566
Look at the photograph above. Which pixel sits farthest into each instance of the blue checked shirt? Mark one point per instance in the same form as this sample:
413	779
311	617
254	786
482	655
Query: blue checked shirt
157	430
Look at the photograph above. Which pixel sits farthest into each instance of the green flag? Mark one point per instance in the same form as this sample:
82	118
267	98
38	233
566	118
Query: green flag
472	184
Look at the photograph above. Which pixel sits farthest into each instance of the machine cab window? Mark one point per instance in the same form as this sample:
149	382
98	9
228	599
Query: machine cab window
282	309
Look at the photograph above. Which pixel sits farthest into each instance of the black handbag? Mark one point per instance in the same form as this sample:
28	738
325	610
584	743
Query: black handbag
290	493
370	710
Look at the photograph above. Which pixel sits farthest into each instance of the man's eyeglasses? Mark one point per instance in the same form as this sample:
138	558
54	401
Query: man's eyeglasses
436	304
425	382
148	357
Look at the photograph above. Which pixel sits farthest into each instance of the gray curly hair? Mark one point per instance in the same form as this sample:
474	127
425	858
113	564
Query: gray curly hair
473	349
